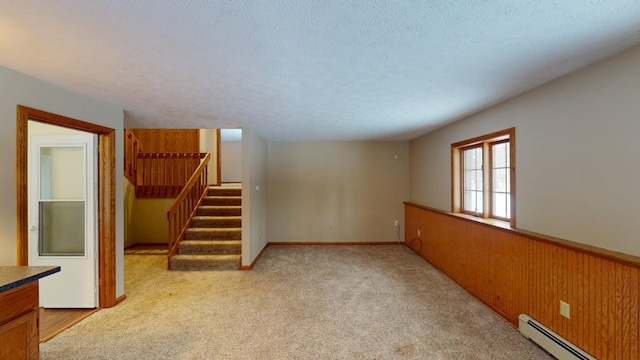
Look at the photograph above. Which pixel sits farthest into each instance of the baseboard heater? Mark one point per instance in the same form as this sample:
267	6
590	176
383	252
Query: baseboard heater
553	343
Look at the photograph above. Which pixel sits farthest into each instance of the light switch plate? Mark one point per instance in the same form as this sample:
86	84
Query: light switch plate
565	309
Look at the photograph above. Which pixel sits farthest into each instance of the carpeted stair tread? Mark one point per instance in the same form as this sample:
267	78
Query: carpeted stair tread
213	233
212	242
211	247
224	197
213	217
205	262
224	191
215	229
216	221
222	200
212	210
207	257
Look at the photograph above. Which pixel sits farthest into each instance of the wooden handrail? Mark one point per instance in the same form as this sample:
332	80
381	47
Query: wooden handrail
186	205
131	149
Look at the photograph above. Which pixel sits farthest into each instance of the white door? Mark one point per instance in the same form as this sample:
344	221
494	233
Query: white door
62	218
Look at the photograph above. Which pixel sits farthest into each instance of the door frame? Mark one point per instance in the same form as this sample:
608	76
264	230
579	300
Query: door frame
106	195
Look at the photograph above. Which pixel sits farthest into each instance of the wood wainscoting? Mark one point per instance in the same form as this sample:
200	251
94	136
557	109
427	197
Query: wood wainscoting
514	272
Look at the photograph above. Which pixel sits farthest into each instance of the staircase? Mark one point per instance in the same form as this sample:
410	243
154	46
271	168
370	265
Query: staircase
214	240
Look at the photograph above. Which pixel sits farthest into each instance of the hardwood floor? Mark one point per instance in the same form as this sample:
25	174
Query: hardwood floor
54	321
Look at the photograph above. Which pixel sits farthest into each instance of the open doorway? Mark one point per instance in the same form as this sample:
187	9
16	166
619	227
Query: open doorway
231	157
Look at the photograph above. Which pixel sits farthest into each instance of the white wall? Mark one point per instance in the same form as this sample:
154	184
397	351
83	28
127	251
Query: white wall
19	89
336	191
577	148
231	161
254	195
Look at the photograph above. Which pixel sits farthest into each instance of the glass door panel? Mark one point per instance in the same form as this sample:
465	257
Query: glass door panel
61	228
61	206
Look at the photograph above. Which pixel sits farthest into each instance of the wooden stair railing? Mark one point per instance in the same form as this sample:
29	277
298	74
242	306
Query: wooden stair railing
157	174
164	174
185	206
131	149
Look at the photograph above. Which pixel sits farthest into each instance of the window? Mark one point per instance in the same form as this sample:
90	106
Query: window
500	173
473	179
483	176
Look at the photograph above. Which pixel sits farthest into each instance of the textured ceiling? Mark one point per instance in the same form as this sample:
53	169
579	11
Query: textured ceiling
309	70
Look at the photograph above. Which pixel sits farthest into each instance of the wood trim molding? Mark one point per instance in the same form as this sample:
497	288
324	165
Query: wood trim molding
512	179
218	161
120	299
335	243
107	219
478	139
106	194
456	184
255	261
22	190
59	120
623	258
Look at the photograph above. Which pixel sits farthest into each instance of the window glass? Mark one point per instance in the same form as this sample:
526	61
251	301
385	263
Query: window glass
473	180
500	180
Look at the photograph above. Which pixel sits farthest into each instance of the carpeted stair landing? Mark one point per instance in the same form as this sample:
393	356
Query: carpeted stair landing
214	241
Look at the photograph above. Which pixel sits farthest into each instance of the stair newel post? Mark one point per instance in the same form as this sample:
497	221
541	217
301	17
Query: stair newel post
134	163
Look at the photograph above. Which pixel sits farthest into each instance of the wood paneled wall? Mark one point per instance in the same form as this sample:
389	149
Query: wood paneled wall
168	140
516	272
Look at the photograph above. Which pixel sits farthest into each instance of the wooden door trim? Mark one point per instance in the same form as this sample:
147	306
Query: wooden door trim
106	194
218	163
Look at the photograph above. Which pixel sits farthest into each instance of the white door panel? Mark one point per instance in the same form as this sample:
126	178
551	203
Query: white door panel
62	217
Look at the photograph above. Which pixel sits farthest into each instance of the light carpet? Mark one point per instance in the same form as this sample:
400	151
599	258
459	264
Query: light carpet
299	302
164	252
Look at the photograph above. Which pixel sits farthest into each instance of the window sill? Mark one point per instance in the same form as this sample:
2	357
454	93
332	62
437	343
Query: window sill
494	222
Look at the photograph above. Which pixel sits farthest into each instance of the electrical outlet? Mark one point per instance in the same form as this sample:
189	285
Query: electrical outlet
396	223
565	309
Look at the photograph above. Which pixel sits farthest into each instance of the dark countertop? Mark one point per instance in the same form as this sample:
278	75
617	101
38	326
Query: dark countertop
14	276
